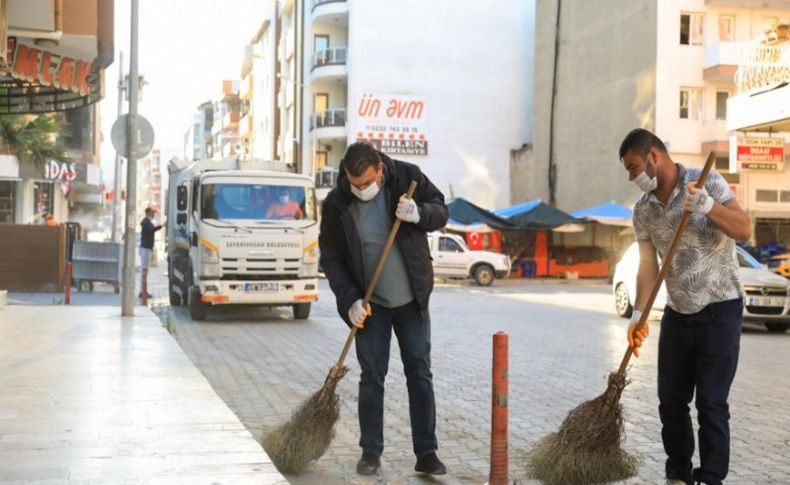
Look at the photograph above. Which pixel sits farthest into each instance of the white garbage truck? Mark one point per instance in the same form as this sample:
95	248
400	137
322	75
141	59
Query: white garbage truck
239	232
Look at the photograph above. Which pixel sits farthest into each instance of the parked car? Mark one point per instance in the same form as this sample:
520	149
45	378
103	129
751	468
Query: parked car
780	264
452	258
767	294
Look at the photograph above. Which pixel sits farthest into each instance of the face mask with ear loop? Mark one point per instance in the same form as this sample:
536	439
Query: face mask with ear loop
645	181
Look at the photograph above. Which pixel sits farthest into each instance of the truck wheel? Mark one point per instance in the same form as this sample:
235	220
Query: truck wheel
301	311
197	309
777	327
484	275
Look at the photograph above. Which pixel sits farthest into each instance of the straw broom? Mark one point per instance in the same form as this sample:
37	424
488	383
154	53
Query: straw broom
586	449
294	445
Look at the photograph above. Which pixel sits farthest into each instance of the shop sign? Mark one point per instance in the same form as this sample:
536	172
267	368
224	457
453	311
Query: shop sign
394	123
761	154
48	69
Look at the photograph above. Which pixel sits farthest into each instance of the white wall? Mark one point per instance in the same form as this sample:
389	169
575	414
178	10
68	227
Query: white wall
473	62
262	107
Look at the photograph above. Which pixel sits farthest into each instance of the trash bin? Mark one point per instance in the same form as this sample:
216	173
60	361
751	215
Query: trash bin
529	269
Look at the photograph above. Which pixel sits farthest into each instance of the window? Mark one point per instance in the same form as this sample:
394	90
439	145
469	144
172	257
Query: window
692	28
42	198
767	196
721	104
784	196
320	43
257	202
723	164
449	245
7	201
321	103
320	160
691	103
726	28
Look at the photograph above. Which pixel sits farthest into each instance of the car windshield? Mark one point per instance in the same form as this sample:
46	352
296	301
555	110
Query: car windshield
746	260
257	202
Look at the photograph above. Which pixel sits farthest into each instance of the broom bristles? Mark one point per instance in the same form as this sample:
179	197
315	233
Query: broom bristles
304	438
586	449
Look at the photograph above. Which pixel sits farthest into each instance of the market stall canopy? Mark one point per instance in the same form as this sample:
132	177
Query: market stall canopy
612	214
468	217
535	216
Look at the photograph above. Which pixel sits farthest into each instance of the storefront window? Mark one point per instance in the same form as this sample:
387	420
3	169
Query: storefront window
42	198
7	201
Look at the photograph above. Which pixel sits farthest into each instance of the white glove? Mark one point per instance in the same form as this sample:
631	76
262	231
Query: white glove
358	313
407	210
698	201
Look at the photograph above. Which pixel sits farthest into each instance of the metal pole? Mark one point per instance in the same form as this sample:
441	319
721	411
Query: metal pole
131	173
116	205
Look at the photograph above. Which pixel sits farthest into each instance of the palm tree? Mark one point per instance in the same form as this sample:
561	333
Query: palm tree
32	139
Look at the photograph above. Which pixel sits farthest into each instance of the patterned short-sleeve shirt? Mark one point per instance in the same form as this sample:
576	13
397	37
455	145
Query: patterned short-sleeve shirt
704	269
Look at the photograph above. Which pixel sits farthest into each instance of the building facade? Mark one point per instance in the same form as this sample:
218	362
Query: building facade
52	56
668	66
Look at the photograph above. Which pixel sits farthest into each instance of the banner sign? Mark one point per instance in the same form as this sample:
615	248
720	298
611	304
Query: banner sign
394	123
761	154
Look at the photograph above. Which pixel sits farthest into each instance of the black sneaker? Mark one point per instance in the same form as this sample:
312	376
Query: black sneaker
369	464
430	465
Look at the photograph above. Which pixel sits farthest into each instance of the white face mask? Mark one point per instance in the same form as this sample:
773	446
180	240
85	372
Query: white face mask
645	181
367	194
283	199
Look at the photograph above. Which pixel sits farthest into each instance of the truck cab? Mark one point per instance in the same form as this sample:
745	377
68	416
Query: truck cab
452	258
240	236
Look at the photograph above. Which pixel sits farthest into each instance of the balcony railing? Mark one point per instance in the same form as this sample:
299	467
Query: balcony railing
762	65
328	118
317	3
325	57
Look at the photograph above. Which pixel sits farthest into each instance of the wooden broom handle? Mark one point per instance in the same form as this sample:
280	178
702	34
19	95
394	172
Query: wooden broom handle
376	276
667	259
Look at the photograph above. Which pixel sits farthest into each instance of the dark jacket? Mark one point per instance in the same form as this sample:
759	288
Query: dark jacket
147	233
341	246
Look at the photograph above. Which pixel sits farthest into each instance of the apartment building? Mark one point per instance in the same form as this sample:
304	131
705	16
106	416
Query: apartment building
665	65
444	84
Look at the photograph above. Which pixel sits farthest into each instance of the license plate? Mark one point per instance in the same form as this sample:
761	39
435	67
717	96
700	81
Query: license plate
260	287
765	301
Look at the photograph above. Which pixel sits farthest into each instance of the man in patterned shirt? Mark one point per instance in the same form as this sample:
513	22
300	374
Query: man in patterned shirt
700	330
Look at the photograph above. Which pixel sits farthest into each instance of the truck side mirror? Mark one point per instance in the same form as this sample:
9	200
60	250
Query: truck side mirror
181	201
181	219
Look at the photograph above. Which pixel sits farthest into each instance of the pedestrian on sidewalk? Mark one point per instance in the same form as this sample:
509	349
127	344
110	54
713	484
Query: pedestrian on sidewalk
701	327
147	235
357	218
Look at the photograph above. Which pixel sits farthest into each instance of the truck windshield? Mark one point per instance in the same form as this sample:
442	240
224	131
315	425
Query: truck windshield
257	202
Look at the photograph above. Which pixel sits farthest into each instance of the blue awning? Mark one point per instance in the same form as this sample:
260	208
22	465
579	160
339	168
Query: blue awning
611	213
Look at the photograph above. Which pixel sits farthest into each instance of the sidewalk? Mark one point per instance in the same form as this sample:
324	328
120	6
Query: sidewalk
90	396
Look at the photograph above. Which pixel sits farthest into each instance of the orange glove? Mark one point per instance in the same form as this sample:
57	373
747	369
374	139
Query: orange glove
636	337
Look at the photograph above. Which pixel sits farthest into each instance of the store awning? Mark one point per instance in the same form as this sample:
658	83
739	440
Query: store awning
535	215
611	213
468	217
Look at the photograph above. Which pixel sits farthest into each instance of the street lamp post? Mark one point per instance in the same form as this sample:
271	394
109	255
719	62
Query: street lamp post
127	301
116	205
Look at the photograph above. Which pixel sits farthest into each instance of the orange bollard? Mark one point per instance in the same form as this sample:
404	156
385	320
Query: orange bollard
68	284
499	402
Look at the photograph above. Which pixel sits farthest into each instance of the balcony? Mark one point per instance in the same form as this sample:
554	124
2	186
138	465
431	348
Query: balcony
763	99
334	12
330	64
230	120
330	124
721	62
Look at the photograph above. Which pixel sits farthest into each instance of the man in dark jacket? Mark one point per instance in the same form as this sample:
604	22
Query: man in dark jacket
357	216
147	234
